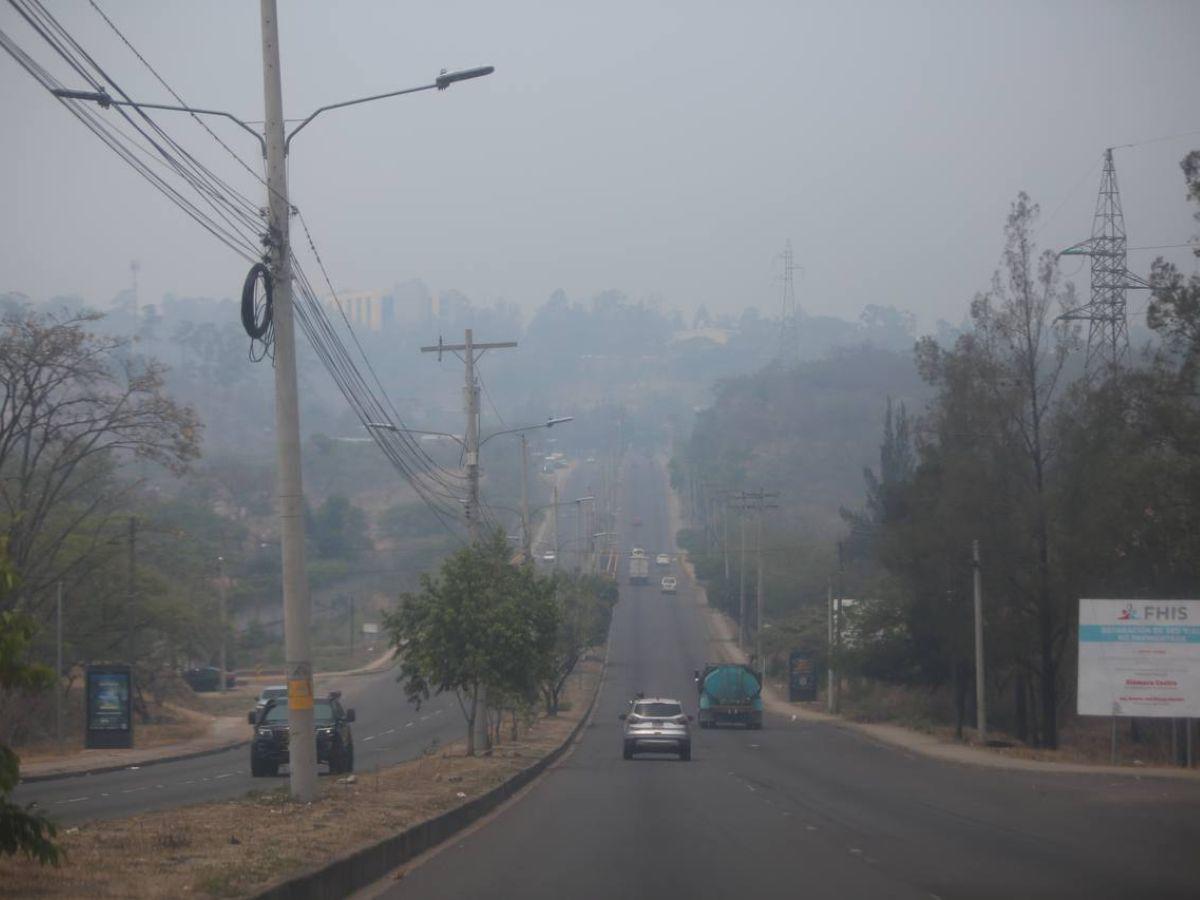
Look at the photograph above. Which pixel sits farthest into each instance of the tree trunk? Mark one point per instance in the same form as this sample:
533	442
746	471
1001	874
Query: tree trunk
514	726
960	713
471	721
1020	709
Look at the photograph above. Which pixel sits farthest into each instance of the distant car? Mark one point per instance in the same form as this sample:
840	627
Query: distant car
669	584
271	692
335	742
662	559
656	725
202	679
549	556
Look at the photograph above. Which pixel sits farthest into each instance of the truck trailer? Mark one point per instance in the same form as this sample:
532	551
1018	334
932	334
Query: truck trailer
639	567
730	694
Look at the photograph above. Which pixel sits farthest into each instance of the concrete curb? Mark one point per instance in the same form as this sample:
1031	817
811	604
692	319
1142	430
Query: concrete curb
363	867
141	764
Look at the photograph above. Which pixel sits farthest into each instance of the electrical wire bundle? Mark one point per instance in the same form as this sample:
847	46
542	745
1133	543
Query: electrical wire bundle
236	221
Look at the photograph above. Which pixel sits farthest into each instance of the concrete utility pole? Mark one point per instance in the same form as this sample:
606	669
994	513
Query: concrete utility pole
742	589
758	616
554	518
131	576
980	693
471	352
831	690
222	618
58	673
526	537
756	500
297	612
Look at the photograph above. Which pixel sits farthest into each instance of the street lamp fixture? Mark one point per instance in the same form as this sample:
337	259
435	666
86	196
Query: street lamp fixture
106	100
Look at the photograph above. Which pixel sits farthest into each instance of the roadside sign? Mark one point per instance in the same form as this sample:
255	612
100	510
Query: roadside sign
109	707
370	628
1139	658
802	676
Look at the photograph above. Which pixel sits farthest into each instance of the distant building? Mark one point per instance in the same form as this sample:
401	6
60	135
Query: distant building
367	310
700	337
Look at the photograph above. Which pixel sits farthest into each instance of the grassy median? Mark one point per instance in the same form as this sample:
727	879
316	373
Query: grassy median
235	847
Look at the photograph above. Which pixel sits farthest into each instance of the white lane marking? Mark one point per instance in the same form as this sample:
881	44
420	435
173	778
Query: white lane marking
409	724
133	790
812	827
439	712
370	738
424	718
226	775
856	851
104	795
390	731
76	799
751	788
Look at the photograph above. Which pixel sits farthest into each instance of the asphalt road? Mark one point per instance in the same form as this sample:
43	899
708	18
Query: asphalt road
798	809
388	730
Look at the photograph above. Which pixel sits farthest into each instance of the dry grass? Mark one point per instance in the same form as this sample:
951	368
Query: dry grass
229	849
1081	739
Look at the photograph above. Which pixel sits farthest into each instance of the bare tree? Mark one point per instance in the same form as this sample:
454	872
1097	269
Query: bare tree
75	408
1026	348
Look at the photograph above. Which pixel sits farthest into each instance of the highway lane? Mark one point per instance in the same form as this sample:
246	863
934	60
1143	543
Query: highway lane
388	730
799	808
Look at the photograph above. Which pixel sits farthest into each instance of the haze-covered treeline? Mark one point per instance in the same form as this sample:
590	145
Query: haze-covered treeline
1075	483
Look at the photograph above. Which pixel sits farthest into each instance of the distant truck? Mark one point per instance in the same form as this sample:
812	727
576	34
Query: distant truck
639	567
730	694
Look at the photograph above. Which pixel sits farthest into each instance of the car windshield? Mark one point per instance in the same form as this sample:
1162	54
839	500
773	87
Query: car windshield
322	712
657	710
274	693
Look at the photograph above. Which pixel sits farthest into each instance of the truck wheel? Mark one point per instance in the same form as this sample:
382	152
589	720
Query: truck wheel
628	752
257	770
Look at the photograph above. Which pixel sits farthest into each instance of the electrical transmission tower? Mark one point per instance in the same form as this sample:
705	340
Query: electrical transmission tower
1108	328
789	328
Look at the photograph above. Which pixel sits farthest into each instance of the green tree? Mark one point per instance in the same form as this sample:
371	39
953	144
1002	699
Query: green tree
480	622
22	828
339	529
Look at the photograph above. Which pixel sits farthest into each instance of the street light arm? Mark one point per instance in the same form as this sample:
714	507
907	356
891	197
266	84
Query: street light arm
106	100
288	140
549	423
443	81
388	426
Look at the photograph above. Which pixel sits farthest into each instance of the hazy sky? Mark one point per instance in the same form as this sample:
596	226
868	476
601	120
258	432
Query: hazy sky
667	149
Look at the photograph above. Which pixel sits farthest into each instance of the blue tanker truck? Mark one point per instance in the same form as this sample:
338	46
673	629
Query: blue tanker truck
730	694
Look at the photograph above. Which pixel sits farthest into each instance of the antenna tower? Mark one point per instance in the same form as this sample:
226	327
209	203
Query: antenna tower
789	328
1108	327
134	268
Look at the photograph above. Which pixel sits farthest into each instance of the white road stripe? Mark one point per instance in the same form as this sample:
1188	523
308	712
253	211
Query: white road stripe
371	738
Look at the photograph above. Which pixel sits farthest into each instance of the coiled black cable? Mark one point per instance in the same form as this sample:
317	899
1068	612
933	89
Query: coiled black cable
257	325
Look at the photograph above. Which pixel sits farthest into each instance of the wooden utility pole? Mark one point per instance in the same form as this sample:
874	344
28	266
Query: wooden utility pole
470	353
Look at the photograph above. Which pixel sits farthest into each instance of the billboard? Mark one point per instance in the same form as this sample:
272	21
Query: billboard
1139	658
802	677
109	706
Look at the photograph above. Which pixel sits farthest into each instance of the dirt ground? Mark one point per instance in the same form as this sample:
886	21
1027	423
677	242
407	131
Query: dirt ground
229	849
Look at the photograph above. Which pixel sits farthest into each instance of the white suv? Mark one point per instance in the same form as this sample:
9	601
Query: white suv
669	584
657	725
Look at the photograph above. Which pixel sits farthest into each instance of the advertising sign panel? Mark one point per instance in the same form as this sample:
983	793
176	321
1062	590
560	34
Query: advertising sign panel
1139	658
109	706
802	676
